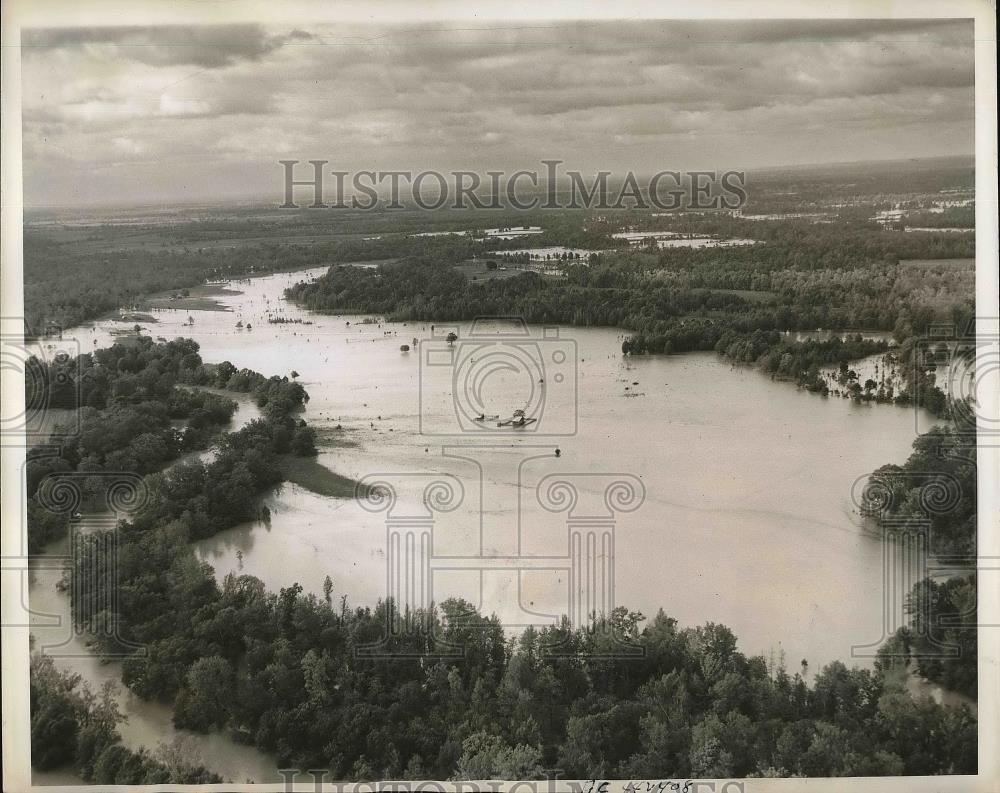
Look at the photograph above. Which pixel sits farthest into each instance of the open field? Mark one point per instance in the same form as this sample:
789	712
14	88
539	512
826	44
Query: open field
199	298
308	473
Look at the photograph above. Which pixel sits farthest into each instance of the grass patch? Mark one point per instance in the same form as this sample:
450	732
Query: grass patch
333	437
199	298
308	473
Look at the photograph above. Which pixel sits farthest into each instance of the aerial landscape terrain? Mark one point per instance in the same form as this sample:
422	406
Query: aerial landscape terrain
777	378
494	394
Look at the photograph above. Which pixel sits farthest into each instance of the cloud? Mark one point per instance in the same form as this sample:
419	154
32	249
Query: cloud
597	93
211	47
172	106
128	145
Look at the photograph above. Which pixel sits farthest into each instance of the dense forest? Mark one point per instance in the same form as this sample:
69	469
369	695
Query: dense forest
86	268
123	403
72	726
293	673
678	299
737	302
933	494
630	695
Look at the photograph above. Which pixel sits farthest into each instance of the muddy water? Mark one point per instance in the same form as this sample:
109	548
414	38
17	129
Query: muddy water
735	502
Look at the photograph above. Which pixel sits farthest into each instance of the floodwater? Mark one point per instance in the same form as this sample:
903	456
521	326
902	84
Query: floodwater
672	239
681	483
148	724
551	251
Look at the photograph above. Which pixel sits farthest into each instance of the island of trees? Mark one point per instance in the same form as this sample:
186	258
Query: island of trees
288	671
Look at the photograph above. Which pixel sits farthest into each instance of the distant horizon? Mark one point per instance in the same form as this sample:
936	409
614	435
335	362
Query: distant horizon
193	113
250	200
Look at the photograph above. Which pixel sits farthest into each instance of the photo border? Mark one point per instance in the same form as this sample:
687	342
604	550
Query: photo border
24	13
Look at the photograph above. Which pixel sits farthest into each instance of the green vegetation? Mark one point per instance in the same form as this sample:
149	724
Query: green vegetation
83	269
198	298
71	726
288	671
293	673
308	473
933	494
683	300
126	398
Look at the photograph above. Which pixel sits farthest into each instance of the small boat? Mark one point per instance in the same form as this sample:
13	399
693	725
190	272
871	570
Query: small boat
517	420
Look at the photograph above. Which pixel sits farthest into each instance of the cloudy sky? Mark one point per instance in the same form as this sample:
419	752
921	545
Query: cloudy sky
158	114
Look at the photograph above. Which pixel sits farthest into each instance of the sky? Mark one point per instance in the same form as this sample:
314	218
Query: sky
152	115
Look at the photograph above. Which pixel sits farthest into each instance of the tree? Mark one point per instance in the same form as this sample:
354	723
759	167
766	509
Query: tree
54	729
486	756
303	442
204	702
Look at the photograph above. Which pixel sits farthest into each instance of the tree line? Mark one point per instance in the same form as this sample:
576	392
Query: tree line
123	403
73	726
933	495
294	673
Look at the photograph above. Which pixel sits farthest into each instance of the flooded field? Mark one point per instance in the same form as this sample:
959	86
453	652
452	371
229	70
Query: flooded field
777	550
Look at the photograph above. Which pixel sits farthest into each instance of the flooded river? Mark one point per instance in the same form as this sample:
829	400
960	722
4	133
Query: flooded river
681	483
